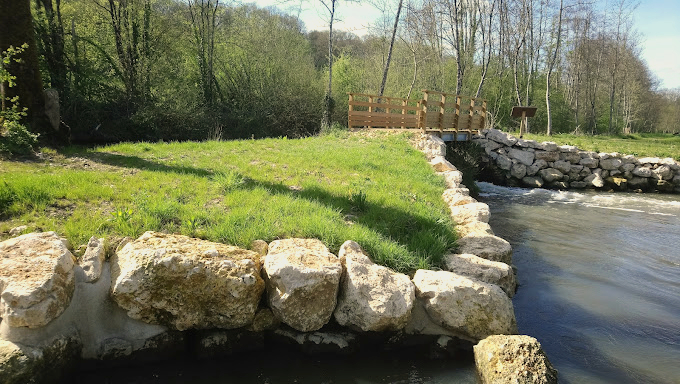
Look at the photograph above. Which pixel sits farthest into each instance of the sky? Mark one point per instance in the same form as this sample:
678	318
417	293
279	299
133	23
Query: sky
657	21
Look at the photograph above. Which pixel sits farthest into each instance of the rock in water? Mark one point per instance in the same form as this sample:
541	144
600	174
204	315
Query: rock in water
514	359
36	279
183	283
492	272
372	297
471	308
302	279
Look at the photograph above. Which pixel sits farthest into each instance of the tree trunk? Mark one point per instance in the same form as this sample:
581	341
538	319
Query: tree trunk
389	53
17	29
551	65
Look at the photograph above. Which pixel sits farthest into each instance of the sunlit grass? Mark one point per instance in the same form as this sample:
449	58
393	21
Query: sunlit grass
379	192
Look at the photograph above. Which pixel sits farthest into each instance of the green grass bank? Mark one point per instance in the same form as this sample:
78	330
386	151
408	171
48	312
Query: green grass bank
639	144
378	191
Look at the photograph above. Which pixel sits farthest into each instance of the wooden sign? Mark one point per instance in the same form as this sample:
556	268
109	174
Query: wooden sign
523	112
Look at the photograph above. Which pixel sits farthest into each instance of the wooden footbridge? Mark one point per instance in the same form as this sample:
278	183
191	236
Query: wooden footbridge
451	117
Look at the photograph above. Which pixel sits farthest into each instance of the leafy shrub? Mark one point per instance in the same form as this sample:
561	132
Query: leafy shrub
16	139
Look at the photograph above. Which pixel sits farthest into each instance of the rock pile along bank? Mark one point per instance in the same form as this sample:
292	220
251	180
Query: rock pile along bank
528	163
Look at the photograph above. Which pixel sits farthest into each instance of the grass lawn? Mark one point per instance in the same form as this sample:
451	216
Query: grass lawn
639	145
378	191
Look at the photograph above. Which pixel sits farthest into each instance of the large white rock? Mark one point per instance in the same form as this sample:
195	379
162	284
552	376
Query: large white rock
372	297
432	146
469	307
501	137
467	213
183	283
524	157
513	359
36	279
487	247
453	179
474	227
453	198
492	272
440	164
302	283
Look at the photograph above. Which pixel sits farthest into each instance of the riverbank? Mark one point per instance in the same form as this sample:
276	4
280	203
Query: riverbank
518	162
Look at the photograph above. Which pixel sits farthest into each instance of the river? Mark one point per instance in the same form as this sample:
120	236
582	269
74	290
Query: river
599	287
599	280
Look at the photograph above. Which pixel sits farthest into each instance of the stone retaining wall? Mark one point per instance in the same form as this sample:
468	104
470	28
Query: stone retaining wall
528	163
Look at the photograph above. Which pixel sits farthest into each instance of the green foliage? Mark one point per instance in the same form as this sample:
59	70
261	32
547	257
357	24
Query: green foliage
15	138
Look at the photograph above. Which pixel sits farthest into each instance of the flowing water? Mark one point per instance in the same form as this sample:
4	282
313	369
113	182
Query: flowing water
599	280
599	287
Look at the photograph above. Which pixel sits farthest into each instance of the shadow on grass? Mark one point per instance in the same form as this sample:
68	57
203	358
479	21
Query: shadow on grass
422	236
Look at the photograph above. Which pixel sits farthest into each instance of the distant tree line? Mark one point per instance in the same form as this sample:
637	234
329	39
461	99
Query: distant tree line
200	69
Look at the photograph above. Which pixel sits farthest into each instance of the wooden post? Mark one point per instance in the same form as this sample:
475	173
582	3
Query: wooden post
370	108
423	112
482	120
351	108
456	117
522	123
442	110
403	112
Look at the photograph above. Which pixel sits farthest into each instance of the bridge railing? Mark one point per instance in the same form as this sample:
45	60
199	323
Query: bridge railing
436	112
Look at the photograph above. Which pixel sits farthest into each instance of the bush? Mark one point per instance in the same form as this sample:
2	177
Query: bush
16	139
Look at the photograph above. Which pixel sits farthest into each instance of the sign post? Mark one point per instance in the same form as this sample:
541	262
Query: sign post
523	112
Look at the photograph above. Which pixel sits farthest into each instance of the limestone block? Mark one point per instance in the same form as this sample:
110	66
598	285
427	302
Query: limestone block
589	162
594	180
676	180
432	146
524	157
663	172
562	166
36	279
629	159
532	170
487	247
550	174
518	170
548	146
279	246
440	164
501	137
611	163
93	259
642	171
589	155
627	167
469	307
488	271
568	149
617	183
16	231
649	160
504	162
302	285
513	359
572	157
463	214
453	198
453	179
578	184
372	297
547	156
474	228
184	283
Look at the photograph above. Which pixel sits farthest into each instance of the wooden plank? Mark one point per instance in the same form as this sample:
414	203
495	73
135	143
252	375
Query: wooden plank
385	106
